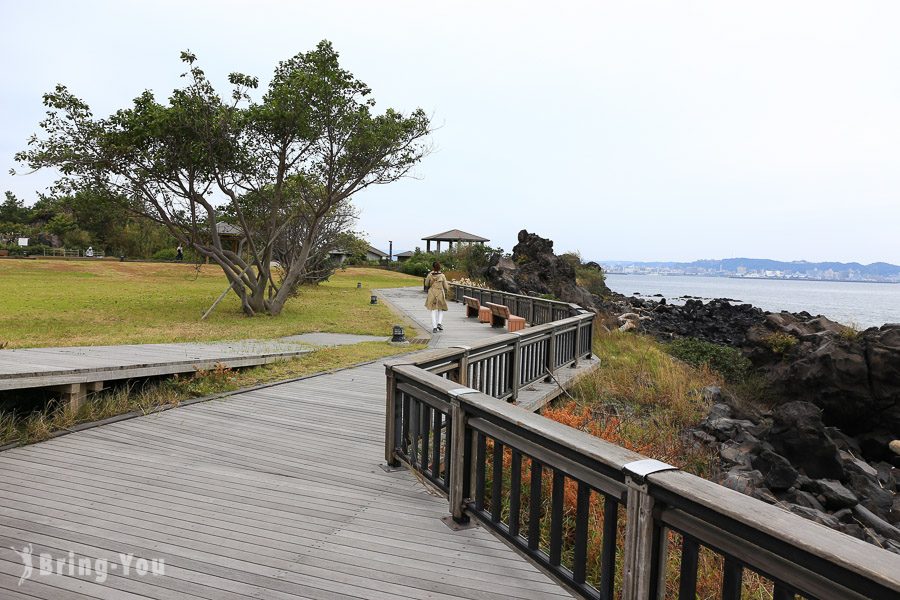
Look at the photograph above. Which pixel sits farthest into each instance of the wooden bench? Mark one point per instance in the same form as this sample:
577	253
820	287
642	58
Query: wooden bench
501	316
475	309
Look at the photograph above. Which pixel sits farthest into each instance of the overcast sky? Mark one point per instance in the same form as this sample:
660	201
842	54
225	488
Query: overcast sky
627	131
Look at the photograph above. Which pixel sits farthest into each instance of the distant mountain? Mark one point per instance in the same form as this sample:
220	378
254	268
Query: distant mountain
764	268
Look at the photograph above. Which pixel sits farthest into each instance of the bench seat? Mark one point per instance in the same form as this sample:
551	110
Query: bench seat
475	309
501	316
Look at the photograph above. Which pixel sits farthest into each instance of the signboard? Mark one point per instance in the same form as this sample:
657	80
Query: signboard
23	241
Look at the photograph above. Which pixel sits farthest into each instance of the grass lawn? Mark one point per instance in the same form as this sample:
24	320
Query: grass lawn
75	303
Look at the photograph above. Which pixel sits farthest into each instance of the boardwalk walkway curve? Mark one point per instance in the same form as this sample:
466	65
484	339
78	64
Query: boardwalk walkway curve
275	493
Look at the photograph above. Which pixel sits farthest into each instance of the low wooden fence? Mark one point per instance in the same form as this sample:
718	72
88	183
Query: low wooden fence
447	420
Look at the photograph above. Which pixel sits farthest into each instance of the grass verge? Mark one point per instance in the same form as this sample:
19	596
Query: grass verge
84	303
148	396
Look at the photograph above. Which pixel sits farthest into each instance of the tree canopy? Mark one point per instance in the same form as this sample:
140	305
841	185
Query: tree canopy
286	163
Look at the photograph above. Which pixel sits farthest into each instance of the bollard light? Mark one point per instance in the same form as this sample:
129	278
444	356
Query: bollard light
374	299
359	285
398	335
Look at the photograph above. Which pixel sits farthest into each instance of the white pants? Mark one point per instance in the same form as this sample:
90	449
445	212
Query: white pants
437	317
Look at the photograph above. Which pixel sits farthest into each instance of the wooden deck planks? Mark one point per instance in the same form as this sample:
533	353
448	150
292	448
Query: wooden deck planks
275	493
43	367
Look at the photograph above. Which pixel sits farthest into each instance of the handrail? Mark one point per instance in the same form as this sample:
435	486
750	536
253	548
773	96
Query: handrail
447	420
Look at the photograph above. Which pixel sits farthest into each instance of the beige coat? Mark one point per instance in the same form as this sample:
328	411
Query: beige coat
438	288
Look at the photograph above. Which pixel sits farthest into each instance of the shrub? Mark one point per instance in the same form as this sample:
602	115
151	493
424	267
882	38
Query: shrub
165	254
593	280
727	361
779	342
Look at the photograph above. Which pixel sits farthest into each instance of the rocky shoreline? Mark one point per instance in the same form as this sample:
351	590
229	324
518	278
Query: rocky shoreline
825	444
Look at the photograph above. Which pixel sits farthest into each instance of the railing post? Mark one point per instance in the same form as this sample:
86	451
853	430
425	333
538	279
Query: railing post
457	462
517	367
390	419
464	368
638	543
643	546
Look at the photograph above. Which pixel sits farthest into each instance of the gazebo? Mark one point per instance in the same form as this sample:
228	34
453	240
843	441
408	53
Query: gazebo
232	236
451	237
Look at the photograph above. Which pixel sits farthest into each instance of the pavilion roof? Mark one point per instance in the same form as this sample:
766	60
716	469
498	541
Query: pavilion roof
456	235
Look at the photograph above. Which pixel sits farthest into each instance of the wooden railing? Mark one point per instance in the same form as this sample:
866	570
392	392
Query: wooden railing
512	470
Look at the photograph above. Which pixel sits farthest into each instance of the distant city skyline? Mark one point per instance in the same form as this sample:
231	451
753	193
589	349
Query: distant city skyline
671	131
761	268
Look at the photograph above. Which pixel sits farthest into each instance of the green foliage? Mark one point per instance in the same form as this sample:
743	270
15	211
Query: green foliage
420	263
588	275
727	361
593	280
287	160
87	218
165	254
355	245
471	259
13	210
779	342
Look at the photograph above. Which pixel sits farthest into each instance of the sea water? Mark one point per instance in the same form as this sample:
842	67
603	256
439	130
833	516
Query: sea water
858	304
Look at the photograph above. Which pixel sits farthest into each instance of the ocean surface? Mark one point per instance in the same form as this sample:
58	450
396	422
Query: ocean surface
859	304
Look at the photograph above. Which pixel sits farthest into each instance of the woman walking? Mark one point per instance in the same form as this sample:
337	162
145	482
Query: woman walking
438	288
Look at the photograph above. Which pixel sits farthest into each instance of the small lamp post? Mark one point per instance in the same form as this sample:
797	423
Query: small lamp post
398	335
374	299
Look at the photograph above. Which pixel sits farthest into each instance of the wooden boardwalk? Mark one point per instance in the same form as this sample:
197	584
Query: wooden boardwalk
45	367
275	493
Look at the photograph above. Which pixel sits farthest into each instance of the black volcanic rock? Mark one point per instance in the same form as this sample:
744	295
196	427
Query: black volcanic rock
535	270
798	434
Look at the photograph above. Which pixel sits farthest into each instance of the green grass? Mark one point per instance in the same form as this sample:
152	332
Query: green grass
75	303
147	396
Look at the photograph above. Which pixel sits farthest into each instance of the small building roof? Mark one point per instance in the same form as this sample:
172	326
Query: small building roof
456	235
404	254
223	228
375	250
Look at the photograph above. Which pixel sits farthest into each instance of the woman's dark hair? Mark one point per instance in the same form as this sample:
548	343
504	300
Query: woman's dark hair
436	266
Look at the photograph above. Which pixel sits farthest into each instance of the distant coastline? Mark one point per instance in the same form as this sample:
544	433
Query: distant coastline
755	278
762	268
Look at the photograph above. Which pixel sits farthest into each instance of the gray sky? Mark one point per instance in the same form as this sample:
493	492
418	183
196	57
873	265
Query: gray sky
639	130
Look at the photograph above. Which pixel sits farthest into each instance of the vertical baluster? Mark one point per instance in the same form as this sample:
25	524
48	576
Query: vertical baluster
732	573
556	516
426	434
414	422
497	483
480	451
582	512
469	458
518	359
608	553
404	431
448	454
687	586
436	444
515	492
534	507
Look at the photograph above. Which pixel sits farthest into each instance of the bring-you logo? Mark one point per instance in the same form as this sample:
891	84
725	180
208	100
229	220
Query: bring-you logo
98	569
